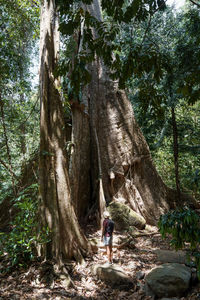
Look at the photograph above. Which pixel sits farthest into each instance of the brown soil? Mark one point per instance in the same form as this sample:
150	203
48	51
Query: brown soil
136	262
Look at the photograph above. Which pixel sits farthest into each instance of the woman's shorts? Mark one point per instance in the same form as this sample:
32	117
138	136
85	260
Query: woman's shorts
107	240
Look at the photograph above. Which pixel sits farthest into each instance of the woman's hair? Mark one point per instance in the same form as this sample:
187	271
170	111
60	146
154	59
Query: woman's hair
106	214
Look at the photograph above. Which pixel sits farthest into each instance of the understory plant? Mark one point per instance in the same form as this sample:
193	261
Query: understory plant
19	244
182	225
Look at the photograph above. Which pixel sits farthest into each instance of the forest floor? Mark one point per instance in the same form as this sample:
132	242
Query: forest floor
27	284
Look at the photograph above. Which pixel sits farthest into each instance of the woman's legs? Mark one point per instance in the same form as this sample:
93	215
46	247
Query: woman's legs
108	245
109	252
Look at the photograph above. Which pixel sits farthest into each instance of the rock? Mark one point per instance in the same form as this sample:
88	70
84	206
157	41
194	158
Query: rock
171	256
168	280
194	278
124	217
148	291
113	275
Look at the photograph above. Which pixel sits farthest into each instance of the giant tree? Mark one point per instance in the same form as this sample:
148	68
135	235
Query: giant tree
103	122
110	159
67	240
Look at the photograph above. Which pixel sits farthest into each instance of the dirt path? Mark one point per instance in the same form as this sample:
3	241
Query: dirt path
27	284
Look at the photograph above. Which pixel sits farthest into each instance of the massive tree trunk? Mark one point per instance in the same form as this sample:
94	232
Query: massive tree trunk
127	170
67	240
79	167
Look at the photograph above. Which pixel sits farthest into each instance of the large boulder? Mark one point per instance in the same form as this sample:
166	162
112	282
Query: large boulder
113	275
124	217
171	256
168	280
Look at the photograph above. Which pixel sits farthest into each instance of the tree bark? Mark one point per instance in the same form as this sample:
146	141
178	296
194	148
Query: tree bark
67	240
22	127
8	168
128	172
79	166
176	152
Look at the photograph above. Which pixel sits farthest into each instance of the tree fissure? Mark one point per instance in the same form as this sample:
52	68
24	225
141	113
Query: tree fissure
102	202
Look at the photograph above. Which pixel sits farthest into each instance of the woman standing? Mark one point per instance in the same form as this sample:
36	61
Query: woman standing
107	235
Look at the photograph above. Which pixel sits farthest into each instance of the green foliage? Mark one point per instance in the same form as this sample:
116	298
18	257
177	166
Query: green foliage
18	28
188	51
19	244
155	52
153	96
125	11
76	63
159	136
22	124
183	226
169	45
19	31
76	22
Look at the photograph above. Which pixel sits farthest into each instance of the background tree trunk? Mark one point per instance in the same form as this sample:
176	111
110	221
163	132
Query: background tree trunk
7	146
67	240
22	127
176	153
